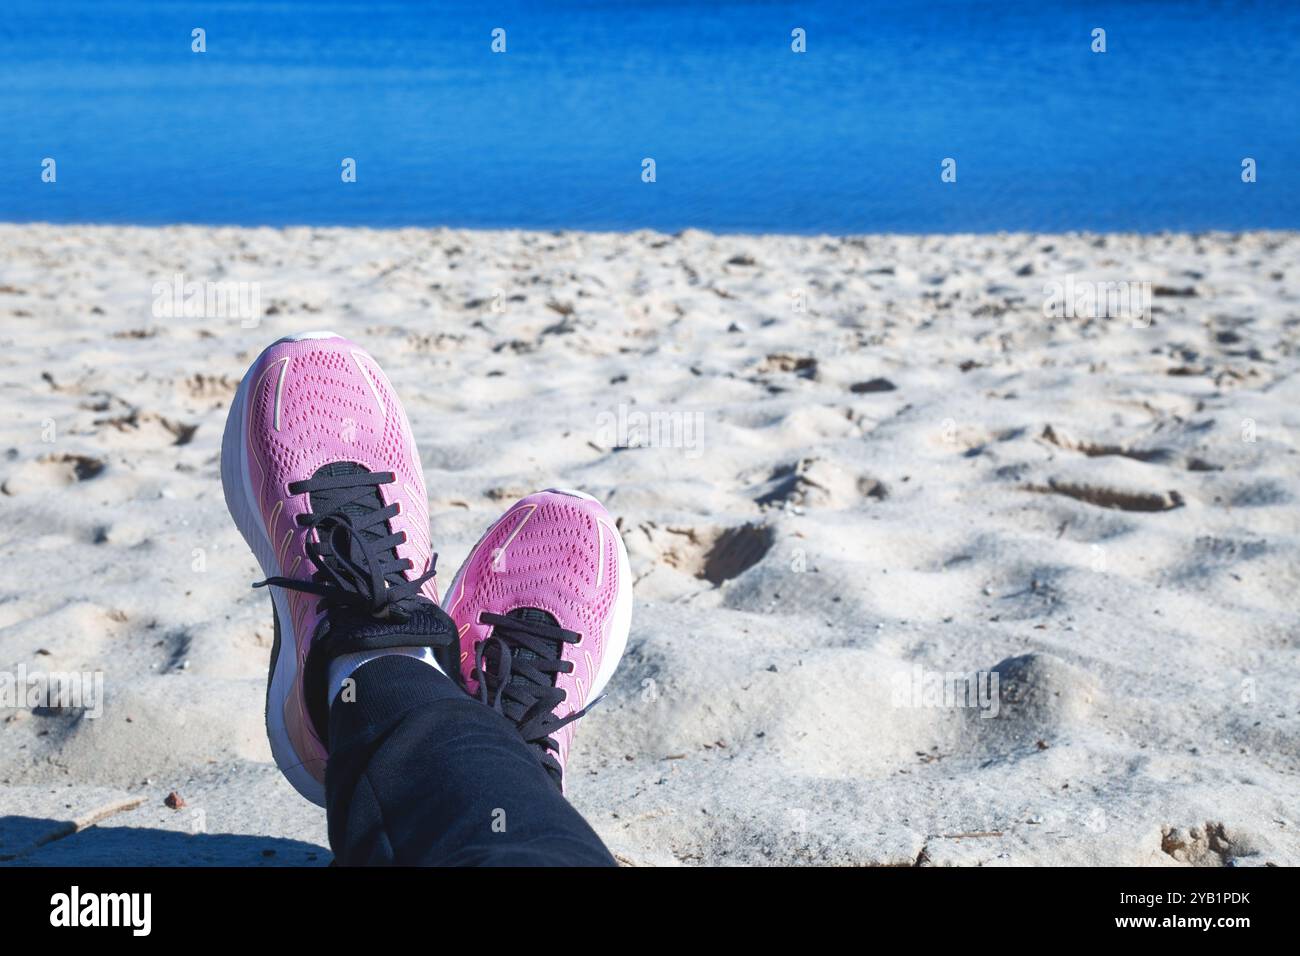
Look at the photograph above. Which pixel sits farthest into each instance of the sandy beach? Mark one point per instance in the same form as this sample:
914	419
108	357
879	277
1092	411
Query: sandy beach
856	477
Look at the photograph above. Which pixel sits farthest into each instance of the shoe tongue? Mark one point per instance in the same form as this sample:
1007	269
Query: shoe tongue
533	615
322	501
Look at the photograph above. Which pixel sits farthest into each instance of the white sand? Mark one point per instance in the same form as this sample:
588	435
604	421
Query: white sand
963	521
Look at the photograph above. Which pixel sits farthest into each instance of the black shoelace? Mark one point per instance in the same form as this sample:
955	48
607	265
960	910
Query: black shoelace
368	604
356	560
516	668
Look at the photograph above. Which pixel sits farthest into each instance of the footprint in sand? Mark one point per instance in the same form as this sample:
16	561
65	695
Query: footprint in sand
1211	844
201	386
817	483
1063	439
50	471
149	429
1106	496
713	554
1038	696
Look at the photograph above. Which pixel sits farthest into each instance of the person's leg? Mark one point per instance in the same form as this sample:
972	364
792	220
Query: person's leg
419	773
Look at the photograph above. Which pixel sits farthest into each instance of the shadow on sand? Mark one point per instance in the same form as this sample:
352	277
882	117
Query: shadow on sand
37	841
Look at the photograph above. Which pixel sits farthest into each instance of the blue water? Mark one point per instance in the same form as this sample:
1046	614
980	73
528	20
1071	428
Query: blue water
746	135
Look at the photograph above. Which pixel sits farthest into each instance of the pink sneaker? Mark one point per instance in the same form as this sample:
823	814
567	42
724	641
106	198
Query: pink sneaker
543	605
321	475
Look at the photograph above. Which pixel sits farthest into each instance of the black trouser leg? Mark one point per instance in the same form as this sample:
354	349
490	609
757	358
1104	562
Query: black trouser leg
421	774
